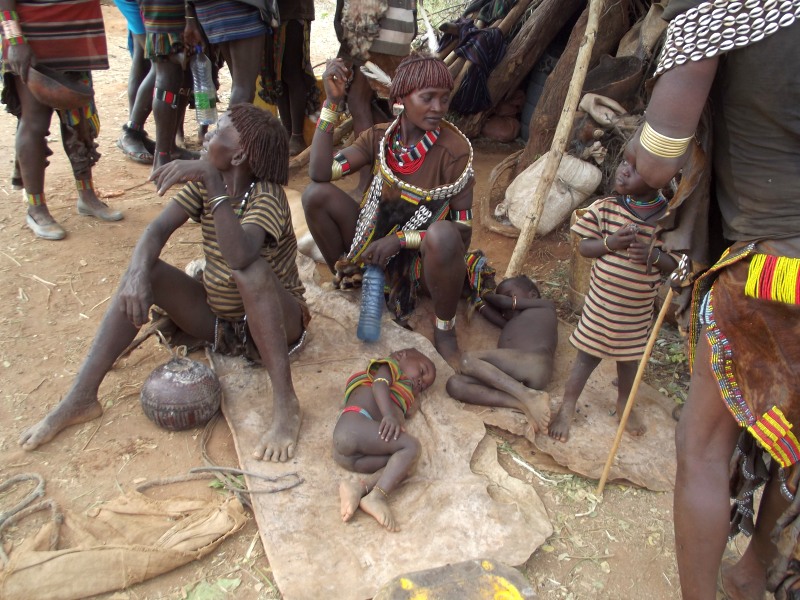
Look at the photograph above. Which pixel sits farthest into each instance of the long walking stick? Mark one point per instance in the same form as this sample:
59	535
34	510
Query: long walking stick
675	279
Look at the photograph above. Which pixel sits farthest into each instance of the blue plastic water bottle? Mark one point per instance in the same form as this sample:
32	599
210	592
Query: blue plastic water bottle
372	303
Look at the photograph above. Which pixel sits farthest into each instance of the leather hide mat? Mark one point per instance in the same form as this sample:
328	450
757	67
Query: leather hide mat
459	503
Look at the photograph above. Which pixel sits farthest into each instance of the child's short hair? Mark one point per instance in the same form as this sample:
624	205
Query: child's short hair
524	282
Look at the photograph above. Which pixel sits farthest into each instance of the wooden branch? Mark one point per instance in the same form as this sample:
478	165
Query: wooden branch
559	142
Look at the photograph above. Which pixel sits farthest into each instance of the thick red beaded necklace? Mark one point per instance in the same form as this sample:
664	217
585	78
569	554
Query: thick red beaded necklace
408	160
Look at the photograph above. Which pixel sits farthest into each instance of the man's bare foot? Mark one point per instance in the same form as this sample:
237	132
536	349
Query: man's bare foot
634	426
350	494
536	408
740	581
375	505
446	344
69	411
279	443
561	423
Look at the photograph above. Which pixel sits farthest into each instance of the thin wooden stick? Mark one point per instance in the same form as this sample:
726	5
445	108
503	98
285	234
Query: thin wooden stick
559	141
632	396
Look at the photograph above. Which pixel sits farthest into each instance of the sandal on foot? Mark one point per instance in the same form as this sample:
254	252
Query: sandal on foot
104	212
141	157
46	231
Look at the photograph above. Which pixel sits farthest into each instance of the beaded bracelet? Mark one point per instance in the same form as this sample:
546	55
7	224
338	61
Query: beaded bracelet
214	203
401	235
383	379
11	28
335	107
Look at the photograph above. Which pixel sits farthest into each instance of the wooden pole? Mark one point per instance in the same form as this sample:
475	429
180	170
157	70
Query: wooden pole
559	141
632	396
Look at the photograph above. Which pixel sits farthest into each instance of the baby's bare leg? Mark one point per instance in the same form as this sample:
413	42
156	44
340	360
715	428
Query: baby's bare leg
358	447
351	493
376	503
500	374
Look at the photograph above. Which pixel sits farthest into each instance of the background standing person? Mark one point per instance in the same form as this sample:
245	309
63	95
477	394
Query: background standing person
294	79
397	28
744	399
415	219
134	141
164	22
238	32
70	39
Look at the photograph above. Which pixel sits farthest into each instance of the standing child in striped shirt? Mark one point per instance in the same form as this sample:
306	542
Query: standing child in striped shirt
616	318
370	435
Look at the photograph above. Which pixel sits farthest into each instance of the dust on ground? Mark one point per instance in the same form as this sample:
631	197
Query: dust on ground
53	295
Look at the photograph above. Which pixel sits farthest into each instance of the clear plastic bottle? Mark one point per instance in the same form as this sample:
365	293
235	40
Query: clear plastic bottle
372	303
205	94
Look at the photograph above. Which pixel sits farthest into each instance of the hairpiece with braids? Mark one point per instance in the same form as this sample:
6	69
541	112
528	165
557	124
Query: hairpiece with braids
418	71
264	140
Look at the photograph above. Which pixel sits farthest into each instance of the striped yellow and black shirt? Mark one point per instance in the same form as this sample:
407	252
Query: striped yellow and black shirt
618	312
268	208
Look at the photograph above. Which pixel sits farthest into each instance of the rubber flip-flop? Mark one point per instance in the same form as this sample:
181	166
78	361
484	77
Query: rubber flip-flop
143	158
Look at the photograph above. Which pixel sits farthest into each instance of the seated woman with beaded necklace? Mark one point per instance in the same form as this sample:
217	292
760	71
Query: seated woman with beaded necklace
415	219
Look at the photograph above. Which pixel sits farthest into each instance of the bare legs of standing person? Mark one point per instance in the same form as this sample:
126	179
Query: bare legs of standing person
169	76
133	142
292	102
244	60
705	440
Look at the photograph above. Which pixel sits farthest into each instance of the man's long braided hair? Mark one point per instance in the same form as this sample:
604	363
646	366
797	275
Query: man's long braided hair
264	140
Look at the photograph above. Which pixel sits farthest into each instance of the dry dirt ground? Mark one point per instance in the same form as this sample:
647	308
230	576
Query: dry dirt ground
53	295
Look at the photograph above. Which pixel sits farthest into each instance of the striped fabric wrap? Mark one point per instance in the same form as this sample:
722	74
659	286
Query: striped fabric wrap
67	35
397	29
618	311
400	389
164	21
229	20
774	278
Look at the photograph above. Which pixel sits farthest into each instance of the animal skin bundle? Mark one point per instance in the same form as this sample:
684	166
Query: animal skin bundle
360	24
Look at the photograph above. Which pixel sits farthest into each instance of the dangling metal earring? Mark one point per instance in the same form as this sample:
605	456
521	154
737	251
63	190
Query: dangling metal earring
397	109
